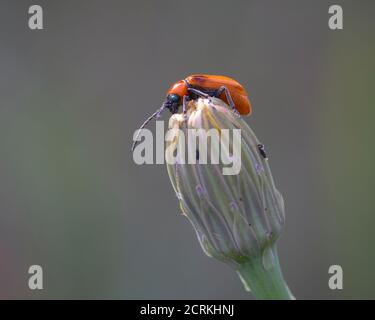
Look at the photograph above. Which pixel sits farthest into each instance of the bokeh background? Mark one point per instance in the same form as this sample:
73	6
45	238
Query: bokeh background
73	201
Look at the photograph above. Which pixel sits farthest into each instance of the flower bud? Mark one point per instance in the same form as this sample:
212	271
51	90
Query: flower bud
236	216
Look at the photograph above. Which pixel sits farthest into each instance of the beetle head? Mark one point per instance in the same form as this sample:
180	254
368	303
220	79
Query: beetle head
172	102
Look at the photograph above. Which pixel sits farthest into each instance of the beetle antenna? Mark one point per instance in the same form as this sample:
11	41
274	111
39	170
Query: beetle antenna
156	114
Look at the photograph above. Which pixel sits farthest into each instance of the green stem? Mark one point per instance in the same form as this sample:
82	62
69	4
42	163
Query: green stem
263	276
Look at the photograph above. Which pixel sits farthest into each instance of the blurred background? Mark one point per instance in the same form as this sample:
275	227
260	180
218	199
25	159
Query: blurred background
71	95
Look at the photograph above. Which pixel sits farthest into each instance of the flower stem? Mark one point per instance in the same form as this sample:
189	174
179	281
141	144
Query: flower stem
265	282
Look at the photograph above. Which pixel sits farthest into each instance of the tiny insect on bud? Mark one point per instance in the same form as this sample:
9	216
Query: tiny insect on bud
237	216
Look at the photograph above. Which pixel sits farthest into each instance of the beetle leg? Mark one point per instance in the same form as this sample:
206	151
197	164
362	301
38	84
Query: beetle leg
229	98
199	93
184	106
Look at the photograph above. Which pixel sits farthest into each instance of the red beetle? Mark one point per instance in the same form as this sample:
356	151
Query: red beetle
204	85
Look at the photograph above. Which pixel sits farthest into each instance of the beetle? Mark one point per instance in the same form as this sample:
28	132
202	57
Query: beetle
203	85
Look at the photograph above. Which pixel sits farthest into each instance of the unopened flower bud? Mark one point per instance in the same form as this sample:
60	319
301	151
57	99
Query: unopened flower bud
231	200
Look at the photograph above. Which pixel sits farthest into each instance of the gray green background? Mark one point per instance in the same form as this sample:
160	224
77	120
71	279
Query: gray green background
73	201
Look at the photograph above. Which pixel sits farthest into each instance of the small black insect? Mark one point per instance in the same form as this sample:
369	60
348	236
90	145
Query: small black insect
262	151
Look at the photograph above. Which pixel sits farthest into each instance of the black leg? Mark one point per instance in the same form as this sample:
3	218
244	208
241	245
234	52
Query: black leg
229	98
184	106
199	93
